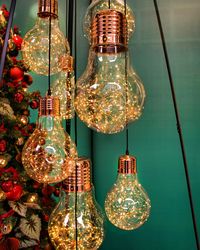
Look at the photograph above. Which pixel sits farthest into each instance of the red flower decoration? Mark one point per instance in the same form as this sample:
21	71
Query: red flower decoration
3	144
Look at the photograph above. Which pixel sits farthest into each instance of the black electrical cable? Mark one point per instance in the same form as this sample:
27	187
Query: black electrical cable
69	33
109	4
5	45
49	73
126	81
75	118
178	124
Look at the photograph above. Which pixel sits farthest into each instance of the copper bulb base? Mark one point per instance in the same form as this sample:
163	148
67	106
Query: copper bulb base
47	8
66	63
49	105
108	31
127	165
80	179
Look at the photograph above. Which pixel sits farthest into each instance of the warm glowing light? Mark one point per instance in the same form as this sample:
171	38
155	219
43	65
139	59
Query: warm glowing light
103	99
49	154
127	205
89	223
35	47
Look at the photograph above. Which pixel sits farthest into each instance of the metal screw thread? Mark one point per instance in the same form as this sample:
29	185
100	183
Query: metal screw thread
49	105
127	165
47	8
80	179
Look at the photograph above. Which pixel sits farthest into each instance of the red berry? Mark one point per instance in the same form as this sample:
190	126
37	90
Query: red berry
57	192
3	144
15	194
47	190
7	186
34	104
16	74
28	79
46	217
18	41
19	97
36	185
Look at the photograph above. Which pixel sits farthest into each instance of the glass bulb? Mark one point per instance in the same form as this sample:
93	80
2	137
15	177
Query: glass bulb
35	47
62	223
64	88
103	99
127	205
99	5
49	154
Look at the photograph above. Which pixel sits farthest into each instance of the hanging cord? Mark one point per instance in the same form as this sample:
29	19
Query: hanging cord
49	73
126	81
109	4
178	123
75	118
5	45
69	33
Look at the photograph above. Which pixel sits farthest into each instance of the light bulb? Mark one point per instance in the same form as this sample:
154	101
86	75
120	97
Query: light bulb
109	94
64	88
49	154
35	47
127	205
84	218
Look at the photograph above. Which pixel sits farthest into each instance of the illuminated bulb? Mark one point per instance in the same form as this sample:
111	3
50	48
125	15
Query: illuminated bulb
64	88
35	47
106	100
127	205
62	223
49	154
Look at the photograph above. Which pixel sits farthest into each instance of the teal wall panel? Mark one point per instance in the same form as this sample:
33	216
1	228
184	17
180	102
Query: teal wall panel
153	138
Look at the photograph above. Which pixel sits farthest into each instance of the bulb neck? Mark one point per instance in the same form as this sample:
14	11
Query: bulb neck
80	179
109	31
127	165
49	106
48	8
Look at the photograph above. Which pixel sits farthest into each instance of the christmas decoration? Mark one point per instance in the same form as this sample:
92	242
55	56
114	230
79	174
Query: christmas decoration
22	204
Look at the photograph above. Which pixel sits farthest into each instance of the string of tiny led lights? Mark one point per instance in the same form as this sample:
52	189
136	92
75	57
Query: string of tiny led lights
178	122
5	45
